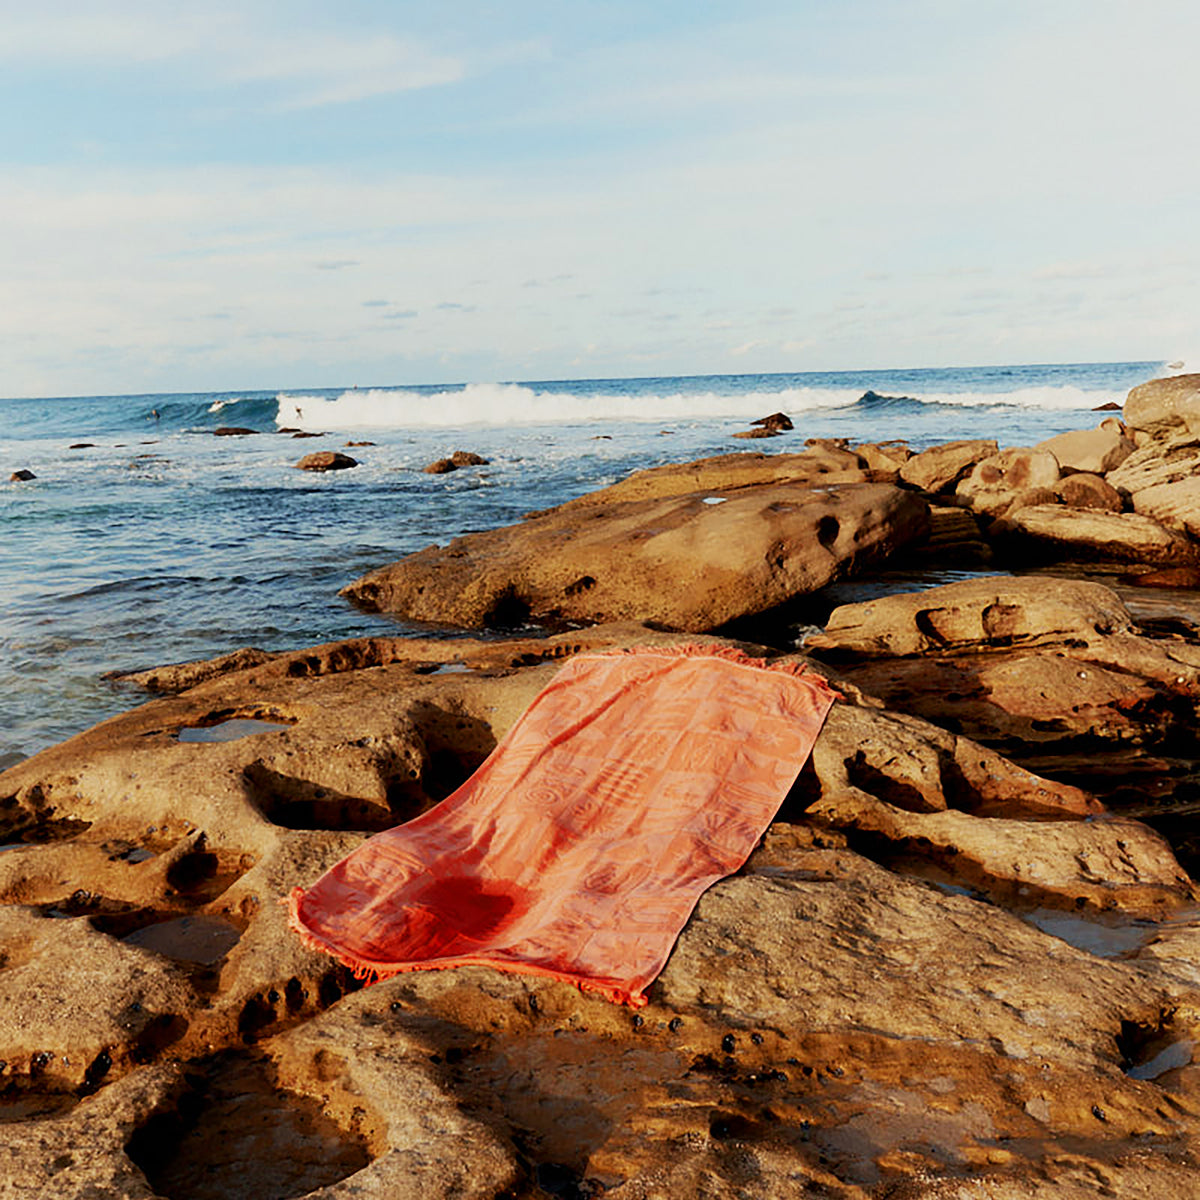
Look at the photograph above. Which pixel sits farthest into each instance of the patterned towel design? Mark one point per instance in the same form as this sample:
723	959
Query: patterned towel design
578	850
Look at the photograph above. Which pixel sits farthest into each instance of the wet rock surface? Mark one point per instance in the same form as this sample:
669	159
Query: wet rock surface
963	962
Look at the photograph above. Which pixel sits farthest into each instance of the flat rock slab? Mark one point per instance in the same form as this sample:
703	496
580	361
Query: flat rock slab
1101	536
690	561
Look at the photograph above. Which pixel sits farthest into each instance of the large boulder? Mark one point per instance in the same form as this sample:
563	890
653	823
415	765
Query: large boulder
1090	450
1165	405
693	561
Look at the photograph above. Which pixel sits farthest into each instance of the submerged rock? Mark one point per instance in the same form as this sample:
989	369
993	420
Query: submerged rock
326	460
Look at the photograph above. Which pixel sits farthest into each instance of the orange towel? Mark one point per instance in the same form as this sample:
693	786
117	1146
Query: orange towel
578	850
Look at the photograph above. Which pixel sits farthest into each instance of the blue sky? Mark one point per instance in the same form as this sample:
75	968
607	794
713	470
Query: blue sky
260	195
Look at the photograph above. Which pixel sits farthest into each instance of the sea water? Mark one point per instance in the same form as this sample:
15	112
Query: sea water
145	539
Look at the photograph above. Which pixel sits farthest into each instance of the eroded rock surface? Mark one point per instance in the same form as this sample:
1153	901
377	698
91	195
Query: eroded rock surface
875	1002
692	560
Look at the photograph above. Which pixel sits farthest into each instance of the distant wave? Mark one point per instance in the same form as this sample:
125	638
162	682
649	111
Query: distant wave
520	404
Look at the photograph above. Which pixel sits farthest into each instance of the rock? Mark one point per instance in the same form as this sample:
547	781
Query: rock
884	456
232	431
974	615
82	446
954	534
326	460
1101	536
1175	505
24	475
692	562
995	482
838	1018
460	458
1089	491
1110	406
178	677
756	433
1163	406
306	433
349	444
725	473
1159	461
1092	451
1168	577
778	421
940	467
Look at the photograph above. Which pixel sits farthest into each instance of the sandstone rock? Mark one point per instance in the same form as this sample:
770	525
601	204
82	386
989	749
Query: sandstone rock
940	467
307	433
1089	491
460	458
884	456
1175	505
1164	405
725	473
232	431
21	476
1168	577
823	1025
1159	461
1088	533
349	444
178	677
692	562
1110	406
974	615
777	420
326	460
756	433
954	535
1091	451
82	446
996	483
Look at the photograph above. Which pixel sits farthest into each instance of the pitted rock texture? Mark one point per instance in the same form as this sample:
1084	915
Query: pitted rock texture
691	562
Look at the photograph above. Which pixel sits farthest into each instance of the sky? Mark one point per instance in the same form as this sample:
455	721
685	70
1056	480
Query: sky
258	194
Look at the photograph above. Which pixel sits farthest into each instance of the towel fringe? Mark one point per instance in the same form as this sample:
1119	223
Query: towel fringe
368	973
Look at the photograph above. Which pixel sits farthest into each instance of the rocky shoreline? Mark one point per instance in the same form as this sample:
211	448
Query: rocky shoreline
964	961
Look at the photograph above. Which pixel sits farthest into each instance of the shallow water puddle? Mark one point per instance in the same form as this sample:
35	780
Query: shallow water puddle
1177	1054
199	939
1111	938
229	731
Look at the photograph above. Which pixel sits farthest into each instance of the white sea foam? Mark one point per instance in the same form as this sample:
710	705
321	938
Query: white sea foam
217	405
500	404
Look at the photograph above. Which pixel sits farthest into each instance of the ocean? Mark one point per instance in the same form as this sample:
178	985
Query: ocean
144	539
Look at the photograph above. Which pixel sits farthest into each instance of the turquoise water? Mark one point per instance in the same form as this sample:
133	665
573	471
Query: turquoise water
160	542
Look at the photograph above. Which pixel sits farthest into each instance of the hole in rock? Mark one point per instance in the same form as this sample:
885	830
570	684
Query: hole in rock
235	1131
828	529
230	731
294	803
204	874
508	611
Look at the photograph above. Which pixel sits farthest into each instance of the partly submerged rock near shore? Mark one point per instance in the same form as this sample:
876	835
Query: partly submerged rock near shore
964	961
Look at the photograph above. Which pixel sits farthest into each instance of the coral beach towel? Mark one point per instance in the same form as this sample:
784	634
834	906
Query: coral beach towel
578	850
